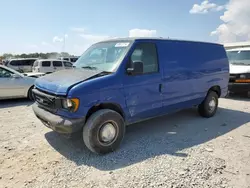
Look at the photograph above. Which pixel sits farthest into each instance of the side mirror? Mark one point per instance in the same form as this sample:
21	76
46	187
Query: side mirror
135	68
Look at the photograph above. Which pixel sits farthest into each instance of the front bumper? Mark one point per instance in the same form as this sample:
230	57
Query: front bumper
58	123
239	87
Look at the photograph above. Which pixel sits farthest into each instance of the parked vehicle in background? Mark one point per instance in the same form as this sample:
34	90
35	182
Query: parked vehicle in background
50	65
123	81
14	84
34	74
70	59
5	62
21	65
239	60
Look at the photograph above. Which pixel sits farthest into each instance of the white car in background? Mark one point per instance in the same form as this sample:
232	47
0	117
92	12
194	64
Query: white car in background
16	85
34	74
50	65
239	59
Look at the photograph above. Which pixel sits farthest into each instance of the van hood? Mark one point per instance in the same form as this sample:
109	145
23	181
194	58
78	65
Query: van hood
239	69
61	81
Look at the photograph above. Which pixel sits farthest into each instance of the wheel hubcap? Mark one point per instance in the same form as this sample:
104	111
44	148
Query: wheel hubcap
107	133
212	105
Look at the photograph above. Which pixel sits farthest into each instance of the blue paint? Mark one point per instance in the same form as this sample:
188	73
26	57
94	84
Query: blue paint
187	70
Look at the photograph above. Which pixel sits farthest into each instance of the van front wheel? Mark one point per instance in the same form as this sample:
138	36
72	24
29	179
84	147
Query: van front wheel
209	106
104	131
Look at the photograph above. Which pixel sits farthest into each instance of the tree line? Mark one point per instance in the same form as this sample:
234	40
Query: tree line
36	55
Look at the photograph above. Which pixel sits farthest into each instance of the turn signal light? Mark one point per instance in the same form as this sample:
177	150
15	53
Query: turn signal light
243	81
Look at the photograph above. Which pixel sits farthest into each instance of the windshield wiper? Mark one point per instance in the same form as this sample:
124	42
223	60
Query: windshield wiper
89	67
106	72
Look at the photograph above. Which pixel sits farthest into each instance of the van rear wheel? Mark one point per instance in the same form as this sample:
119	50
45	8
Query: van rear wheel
104	131
209	106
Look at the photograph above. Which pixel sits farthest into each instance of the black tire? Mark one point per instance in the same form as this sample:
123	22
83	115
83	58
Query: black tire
204	109
30	94
94	125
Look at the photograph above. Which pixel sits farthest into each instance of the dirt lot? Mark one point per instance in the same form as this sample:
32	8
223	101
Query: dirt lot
178	150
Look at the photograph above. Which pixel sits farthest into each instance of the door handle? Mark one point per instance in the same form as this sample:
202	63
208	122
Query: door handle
160	88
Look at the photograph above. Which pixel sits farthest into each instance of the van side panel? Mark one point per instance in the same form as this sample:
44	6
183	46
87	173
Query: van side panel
190	70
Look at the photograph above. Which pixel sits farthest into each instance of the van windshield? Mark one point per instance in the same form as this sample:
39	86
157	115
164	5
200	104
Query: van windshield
104	56
239	57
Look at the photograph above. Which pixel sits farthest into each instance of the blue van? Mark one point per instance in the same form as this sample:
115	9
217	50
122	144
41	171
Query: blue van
122	81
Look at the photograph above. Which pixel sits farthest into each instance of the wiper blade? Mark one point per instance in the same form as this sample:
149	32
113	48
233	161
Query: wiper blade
89	67
106	72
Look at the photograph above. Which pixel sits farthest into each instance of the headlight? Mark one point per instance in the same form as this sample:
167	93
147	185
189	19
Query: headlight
242	76
71	104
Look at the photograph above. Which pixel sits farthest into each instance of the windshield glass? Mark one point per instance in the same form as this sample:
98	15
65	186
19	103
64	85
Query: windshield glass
239	57
105	56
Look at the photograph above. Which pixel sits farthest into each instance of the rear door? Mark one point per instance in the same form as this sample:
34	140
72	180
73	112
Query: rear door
142	92
57	65
10	87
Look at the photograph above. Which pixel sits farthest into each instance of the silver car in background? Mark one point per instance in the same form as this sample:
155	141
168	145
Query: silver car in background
14	84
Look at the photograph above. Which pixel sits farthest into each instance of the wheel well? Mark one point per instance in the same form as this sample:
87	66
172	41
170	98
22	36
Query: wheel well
111	106
31	87
216	89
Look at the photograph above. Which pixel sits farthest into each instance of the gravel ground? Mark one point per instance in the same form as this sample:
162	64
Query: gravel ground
178	150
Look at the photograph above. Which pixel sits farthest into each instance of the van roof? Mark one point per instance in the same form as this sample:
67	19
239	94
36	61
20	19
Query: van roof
153	38
69	57
22	59
239	49
51	60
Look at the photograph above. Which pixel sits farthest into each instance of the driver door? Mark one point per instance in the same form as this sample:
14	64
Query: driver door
10	87
143	97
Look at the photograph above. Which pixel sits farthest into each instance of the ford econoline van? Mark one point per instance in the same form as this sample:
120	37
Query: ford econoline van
122	81
239	59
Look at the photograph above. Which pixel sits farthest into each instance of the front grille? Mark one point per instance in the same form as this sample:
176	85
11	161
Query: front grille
233	77
46	100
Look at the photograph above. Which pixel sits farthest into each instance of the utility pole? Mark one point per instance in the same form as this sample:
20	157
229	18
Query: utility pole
64	38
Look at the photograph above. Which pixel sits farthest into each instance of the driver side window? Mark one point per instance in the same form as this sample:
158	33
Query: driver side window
5	73
147	54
